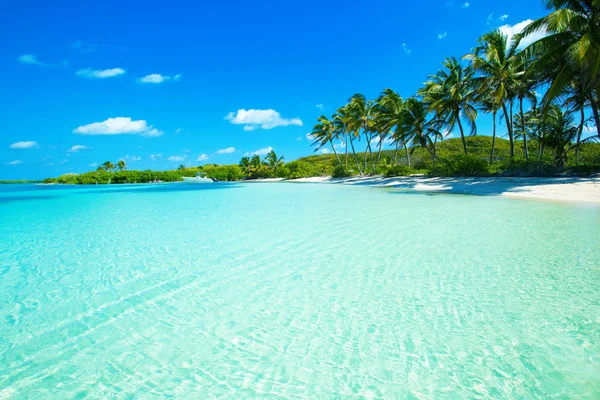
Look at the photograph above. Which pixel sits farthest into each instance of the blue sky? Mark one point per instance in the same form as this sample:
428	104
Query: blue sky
161	83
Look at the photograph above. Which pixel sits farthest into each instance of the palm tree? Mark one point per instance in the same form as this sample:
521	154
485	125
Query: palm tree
107	166
419	127
244	163
181	167
343	117
571	51
389	117
255	161
273	161
523	89
121	165
450	95
497	64
361	116
324	132
559	132
488	104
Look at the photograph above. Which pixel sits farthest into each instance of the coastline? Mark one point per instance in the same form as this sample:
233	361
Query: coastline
564	189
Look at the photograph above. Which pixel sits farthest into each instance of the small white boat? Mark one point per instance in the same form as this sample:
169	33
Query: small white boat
199	178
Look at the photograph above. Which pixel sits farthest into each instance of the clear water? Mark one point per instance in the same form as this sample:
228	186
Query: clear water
295	291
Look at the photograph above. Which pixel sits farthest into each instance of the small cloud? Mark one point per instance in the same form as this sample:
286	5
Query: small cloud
99	73
202	157
178	130
502	18
321	106
155	157
511	30
24	145
406	49
299	138
131	158
324	151
442	35
118	126
32	59
264	119
260	152
176	158
158	78
77	148
465	5
94	164
14	162
228	150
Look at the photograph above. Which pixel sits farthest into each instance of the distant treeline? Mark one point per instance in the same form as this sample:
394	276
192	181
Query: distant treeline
15	181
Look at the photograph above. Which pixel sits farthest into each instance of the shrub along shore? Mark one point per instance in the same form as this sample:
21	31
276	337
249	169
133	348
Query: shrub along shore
450	161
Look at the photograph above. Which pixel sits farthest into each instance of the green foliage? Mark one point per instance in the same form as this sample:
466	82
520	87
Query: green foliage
224	172
461	165
301	169
399	170
340	172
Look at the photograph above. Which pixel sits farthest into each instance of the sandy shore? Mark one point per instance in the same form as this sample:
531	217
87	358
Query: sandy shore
571	189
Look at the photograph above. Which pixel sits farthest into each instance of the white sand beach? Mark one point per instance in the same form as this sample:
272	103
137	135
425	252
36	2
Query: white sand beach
570	189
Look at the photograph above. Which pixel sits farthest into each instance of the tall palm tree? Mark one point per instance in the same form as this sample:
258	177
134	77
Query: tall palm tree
524	89
497	63
559	132
342	120
121	165
273	161
255	161
450	94
489	104
389	121
419	127
571	50
244	163
361	117
324	132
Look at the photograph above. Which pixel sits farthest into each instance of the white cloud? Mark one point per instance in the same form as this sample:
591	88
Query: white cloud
465	5
131	158
15	162
155	157
118	126
321	106
260	152
406	49
176	158
502	18
309	136
511	31
94	164
228	150
265	119
202	157
78	147
24	145
32	59
442	35
324	150
99	73
158	78
299	138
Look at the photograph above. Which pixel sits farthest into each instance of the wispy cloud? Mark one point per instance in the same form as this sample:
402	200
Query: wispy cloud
406	49
118	126
155	157
202	157
465	5
442	35
94	164
24	145
259	152
77	148
264	119
228	150
99	73
129	158
503	17
14	162
299	138
511	30
321	106
176	158
324	150
32	59
158	78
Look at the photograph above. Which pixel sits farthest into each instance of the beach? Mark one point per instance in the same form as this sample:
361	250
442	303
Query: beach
565	189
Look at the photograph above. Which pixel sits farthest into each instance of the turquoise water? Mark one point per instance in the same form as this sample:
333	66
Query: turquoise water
295	291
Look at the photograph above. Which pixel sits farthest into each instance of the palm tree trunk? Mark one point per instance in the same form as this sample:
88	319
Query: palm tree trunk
355	158
379	152
434	151
462	133
541	149
510	135
579	132
396	154
346	161
336	154
407	153
493	138
596	115
523	129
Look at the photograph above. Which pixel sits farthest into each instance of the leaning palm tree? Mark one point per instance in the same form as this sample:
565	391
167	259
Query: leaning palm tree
343	121
496	60
244	163
108	166
273	161
361	117
523	87
419	127
324	132
571	50
451	96
488	104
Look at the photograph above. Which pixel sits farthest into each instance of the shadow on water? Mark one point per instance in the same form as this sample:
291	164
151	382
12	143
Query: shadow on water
77	190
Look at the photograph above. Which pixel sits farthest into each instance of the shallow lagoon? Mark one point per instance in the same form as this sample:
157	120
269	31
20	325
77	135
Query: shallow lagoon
295	290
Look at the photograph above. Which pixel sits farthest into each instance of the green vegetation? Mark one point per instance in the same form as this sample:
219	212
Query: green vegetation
18	181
